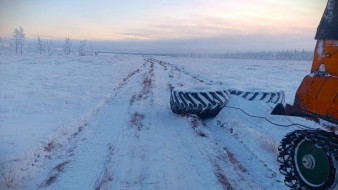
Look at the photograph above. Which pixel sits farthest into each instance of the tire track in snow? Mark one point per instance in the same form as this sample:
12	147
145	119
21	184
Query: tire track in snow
107	176
271	176
228	169
63	142
181	70
109	131
54	174
183	156
146	85
127	142
161	155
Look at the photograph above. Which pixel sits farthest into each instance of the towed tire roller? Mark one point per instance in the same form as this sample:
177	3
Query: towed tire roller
203	101
267	97
208	101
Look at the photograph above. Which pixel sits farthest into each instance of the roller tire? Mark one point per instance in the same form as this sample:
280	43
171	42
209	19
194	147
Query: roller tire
204	103
268	97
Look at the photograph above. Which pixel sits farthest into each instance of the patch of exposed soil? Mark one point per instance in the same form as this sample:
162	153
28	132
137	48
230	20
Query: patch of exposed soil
136	120
54	174
234	160
222	178
107	175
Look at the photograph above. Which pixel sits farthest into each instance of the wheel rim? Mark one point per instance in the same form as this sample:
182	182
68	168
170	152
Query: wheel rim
312	164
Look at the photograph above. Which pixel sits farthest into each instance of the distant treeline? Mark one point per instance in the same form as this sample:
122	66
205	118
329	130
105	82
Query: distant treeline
19	45
295	55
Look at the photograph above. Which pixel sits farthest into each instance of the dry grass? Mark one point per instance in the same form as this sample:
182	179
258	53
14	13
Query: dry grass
125	79
171	87
163	65
147	82
135	98
61	167
50	180
130	75
197	124
9	178
194	77
99	186
81	128
132	100
201	134
55	173
234	160
107	176
222	178
50	146
199	80
136	119
146	86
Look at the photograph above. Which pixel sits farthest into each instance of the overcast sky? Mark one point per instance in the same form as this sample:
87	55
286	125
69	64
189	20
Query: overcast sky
236	24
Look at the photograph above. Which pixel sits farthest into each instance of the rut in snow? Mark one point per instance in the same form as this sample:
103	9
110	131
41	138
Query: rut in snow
136	117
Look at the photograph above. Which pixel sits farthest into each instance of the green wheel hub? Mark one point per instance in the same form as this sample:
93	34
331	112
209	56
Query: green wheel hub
312	164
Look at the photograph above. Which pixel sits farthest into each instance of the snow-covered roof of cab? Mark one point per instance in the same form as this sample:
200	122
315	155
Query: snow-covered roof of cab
328	27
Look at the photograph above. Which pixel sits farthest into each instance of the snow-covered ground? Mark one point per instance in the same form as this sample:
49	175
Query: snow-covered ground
104	122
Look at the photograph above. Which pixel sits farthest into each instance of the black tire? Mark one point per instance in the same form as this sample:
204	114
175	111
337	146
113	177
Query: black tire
204	103
288	151
268	97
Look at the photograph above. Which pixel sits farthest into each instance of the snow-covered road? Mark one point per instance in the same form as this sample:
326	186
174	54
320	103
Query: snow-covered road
131	140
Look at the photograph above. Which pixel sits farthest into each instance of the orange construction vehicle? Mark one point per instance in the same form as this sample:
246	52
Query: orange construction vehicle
309	158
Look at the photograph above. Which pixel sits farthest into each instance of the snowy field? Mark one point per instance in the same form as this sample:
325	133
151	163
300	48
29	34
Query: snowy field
104	122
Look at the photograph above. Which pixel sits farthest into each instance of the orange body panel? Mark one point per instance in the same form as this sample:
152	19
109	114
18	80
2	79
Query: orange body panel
326	53
318	93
